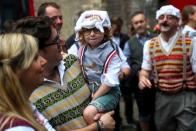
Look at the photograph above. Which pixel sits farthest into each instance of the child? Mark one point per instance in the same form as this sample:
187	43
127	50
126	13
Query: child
100	62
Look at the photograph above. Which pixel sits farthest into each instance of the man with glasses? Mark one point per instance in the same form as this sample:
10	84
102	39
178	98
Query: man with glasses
58	42
64	94
172	58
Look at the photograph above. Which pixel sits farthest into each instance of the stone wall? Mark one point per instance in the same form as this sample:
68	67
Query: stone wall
123	8
69	10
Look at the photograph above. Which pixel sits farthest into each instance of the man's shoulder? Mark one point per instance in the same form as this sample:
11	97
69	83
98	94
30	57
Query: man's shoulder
42	91
151	42
123	35
153	39
70	60
69	56
132	38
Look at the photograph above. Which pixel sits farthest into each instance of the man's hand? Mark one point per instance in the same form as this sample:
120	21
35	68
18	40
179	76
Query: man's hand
144	82
108	121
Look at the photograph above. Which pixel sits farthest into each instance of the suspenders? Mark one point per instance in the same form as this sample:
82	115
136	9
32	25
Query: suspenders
106	63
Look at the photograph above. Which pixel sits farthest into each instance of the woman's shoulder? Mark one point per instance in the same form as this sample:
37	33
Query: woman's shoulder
15	123
20	128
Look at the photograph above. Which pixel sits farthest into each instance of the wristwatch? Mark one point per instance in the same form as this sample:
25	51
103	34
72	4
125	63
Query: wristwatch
100	125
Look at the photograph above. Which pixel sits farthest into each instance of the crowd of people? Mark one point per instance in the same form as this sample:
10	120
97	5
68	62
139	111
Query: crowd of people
49	84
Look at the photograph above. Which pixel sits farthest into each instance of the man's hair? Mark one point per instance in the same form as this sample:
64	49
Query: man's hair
137	13
132	30
189	9
42	8
117	20
39	27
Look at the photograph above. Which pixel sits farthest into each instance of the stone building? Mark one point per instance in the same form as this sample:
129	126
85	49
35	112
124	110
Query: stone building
122	8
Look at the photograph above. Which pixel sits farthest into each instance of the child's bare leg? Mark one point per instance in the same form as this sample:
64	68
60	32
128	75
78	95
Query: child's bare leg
89	114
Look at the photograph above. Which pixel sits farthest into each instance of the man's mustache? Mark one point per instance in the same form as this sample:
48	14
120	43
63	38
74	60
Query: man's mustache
164	24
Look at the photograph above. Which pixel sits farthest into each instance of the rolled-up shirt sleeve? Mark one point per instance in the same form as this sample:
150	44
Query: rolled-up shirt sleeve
110	78
193	56
124	63
146	63
127	51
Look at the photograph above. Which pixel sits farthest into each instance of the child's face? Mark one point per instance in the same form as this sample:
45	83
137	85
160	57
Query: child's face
93	37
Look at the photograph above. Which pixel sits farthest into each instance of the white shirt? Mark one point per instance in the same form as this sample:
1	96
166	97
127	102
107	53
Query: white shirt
167	46
39	116
191	31
116	40
74	50
20	128
61	69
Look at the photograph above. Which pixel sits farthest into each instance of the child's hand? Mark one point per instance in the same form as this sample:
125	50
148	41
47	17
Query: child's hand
121	75
97	116
92	95
124	73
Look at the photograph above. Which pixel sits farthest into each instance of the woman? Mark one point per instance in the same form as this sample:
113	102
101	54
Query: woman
21	71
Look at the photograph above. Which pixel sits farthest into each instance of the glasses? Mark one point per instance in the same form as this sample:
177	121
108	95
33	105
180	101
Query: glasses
57	17
168	17
88	31
57	41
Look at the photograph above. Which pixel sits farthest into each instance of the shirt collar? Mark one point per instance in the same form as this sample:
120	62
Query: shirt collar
145	36
61	68
103	44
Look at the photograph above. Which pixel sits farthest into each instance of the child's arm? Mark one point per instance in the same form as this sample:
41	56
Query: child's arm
109	79
103	89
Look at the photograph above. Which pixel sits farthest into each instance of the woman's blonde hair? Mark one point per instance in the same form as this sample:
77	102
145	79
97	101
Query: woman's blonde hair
17	52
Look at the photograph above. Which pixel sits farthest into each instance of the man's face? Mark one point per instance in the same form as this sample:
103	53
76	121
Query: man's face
139	23
193	16
115	30
168	23
53	48
55	14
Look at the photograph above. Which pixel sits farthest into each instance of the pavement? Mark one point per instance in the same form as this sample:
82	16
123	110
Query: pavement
125	126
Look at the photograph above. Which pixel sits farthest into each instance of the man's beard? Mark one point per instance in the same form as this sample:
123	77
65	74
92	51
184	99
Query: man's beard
164	27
